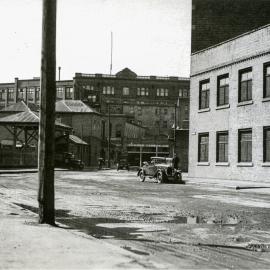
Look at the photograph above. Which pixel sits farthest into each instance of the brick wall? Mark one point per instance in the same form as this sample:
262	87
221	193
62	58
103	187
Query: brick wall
253	50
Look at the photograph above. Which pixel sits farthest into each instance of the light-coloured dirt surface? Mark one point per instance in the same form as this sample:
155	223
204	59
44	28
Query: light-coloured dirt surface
167	226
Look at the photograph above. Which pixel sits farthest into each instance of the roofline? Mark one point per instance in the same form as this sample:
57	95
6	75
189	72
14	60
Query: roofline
231	39
138	77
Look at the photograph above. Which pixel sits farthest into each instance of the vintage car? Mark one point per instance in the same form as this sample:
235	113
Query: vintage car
67	160
160	168
122	164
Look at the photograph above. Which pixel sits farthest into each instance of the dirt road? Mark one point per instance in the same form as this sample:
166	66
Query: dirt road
167	225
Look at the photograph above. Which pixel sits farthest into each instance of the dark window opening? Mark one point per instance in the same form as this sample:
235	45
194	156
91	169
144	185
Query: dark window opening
204	94
245	85
245	145
203	147
223	90
222	146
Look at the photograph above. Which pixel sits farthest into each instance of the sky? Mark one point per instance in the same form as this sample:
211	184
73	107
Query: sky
151	37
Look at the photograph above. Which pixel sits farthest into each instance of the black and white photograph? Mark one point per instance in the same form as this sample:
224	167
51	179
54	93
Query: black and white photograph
134	134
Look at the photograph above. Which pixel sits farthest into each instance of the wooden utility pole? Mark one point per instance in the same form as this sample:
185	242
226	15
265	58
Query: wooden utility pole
47	114
109	135
174	130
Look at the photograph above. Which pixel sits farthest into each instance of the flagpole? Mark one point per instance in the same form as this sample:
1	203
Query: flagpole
111	52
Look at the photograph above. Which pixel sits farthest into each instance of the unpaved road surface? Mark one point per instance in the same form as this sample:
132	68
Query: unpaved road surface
170	226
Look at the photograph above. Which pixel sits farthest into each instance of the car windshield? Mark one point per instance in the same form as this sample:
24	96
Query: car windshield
158	160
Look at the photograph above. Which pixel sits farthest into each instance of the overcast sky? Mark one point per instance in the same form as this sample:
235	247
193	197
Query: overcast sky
151	37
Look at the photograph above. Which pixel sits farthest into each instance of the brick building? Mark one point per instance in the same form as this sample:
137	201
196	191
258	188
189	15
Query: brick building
146	101
214	21
143	104
29	91
230	109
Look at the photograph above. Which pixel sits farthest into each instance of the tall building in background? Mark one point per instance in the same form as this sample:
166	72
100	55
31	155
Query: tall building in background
214	21
145	112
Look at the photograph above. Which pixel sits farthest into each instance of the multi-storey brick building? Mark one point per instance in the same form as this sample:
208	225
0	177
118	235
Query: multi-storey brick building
29	91
230	109
147	103
149	99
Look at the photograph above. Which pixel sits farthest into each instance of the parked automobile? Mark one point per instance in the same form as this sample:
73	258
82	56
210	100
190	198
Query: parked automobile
122	164
67	160
161	169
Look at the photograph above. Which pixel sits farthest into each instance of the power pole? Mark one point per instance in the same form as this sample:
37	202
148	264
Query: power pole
109	135
47	114
174	130
59	73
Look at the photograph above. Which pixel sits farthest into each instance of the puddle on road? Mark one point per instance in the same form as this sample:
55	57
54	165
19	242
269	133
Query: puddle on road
226	221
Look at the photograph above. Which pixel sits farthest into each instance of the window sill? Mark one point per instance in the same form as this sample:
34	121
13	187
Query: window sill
204	110
223	164
245	164
266	99
266	164
244	103
223	107
203	164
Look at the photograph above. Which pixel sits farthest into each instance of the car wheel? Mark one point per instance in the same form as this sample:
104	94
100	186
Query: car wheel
160	178
142	176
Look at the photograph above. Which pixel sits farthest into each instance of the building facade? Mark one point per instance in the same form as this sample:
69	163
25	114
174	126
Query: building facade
148	104
29	91
151	102
230	109
149	99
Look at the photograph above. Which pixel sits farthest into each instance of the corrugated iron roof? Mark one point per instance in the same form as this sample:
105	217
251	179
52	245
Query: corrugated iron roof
23	117
73	106
21	106
77	140
27	117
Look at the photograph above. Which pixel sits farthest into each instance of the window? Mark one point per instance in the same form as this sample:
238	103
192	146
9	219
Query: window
266	80
186	115
245	145
180	92
88	87
142	91
92	98
245	85
165	111
118	129
139	110
125	91
204	94
223	90
157	123
157	111
20	93
11	94
59	92
185	93
37	93
266	144
161	92
222	146
2	94
69	92
165	125
30	93
108	90
203	147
